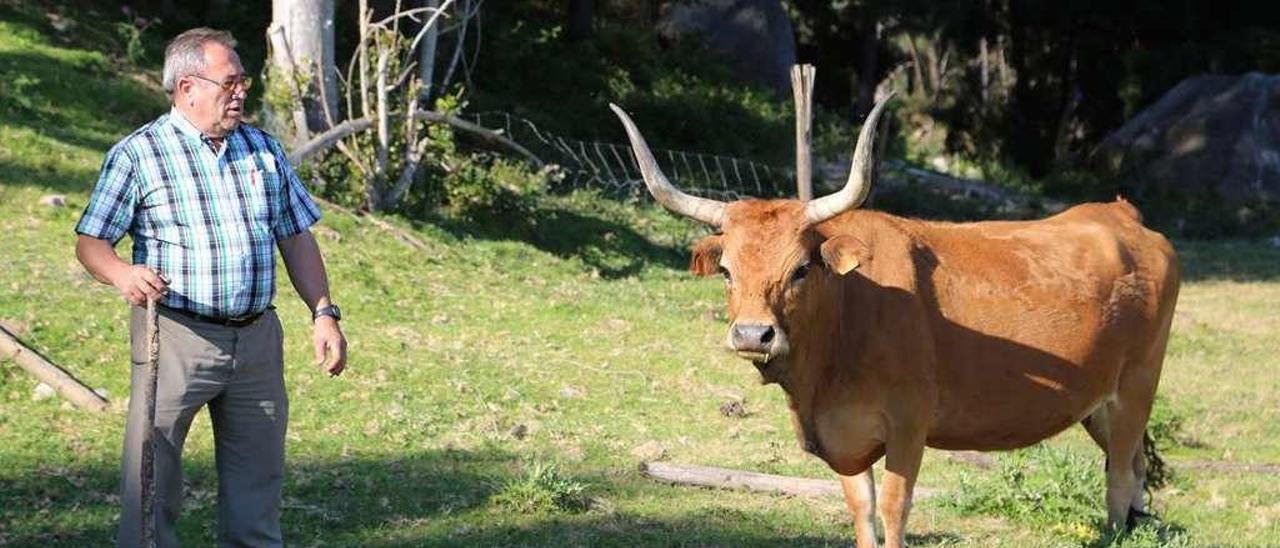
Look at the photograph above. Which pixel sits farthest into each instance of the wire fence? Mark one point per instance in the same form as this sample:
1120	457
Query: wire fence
611	167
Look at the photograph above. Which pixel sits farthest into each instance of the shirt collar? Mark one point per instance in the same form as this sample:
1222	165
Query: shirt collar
185	127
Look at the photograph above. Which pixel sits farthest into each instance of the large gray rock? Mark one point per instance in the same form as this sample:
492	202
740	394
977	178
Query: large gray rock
1210	138
755	35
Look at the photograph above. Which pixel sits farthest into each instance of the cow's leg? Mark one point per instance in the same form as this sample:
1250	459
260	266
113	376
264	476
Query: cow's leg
1126	440
860	496
1097	425
902	463
1138	505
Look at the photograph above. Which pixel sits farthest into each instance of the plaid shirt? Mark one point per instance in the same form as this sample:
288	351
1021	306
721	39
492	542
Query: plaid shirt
207	221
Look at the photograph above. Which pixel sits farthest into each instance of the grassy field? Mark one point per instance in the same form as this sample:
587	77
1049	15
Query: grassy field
503	391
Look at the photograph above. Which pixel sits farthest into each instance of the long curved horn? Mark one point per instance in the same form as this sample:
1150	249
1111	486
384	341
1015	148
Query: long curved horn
693	207
861	175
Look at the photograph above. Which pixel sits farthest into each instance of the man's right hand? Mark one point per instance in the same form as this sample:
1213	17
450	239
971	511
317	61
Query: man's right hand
139	284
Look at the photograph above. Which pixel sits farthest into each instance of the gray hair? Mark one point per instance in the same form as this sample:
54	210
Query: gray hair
185	54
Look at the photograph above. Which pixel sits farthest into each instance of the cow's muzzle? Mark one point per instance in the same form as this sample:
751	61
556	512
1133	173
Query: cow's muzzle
755	342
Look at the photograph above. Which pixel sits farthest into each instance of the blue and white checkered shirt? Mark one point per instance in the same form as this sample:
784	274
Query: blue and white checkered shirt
208	222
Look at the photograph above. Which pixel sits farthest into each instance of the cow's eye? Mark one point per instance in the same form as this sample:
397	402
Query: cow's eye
800	273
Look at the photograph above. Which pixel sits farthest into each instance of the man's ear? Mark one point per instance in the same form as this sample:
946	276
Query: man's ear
845	253
706	256
182	89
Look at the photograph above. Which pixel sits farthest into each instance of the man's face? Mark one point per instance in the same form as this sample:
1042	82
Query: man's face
214	110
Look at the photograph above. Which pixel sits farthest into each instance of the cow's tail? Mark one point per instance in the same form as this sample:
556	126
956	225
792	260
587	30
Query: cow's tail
1158	473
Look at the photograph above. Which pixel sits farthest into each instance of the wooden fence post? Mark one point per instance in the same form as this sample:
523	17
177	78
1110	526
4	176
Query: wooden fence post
802	87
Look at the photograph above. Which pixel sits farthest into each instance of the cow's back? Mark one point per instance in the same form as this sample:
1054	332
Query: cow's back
1034	321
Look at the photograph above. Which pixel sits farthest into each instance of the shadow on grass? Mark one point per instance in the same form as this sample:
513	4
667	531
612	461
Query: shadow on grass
57	179
697	529
1234	260
75	97
613	249
62	506
431	498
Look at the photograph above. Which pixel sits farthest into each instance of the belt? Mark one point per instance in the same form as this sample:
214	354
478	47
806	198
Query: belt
238	321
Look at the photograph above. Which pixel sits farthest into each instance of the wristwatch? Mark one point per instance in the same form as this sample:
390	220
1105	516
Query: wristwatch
331	311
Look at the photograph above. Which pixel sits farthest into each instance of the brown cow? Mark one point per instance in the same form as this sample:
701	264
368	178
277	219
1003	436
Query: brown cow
891	334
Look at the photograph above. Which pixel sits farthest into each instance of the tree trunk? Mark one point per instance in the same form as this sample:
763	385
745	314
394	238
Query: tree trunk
986	69
868	69
581	13
917	67
427	53
307	28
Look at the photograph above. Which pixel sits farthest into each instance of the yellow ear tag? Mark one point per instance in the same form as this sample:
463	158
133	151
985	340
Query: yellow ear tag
846	262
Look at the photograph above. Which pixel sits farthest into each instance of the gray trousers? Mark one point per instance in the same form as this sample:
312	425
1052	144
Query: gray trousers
238	373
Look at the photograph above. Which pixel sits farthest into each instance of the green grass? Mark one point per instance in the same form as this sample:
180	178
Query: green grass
499	369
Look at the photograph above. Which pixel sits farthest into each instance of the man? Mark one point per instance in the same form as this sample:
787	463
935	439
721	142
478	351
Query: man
205	197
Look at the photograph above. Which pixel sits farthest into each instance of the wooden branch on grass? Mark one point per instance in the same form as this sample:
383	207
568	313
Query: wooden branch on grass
726	478
49	373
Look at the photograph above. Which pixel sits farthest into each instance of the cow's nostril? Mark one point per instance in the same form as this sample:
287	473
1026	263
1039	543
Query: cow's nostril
767	336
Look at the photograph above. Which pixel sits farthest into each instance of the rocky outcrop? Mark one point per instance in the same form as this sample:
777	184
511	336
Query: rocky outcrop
1210	143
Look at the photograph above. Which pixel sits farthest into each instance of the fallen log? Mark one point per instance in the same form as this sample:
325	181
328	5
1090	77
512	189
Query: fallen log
726	478
49	373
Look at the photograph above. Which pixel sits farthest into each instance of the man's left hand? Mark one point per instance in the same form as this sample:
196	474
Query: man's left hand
331	345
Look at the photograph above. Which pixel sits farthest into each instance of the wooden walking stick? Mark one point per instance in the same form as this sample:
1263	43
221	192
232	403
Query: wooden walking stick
148	474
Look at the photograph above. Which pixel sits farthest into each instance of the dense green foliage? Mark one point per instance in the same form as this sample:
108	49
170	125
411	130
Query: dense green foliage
1016	92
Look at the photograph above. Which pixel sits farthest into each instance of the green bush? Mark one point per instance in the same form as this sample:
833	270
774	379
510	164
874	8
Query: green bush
541	489
483	187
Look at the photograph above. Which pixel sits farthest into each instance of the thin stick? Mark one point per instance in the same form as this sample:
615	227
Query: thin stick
148	473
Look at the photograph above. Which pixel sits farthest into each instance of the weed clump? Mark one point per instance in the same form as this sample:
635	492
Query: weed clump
1058	491
541	489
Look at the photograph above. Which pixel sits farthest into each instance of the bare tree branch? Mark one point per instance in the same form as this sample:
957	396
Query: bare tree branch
327	139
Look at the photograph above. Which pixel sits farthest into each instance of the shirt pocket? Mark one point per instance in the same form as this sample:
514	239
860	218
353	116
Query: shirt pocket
265	184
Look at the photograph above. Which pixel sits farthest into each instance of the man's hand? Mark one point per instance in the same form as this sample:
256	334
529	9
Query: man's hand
331	345
139	284
136	283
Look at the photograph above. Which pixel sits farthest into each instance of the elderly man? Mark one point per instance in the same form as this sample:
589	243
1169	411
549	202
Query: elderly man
205	197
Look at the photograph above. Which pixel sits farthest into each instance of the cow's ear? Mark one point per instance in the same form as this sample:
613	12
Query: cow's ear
845	253
706	256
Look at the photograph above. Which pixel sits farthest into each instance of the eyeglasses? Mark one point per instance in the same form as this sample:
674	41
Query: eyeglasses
229	84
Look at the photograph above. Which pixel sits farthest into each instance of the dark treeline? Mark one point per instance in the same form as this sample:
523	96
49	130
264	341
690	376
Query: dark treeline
1028	86
1032	82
